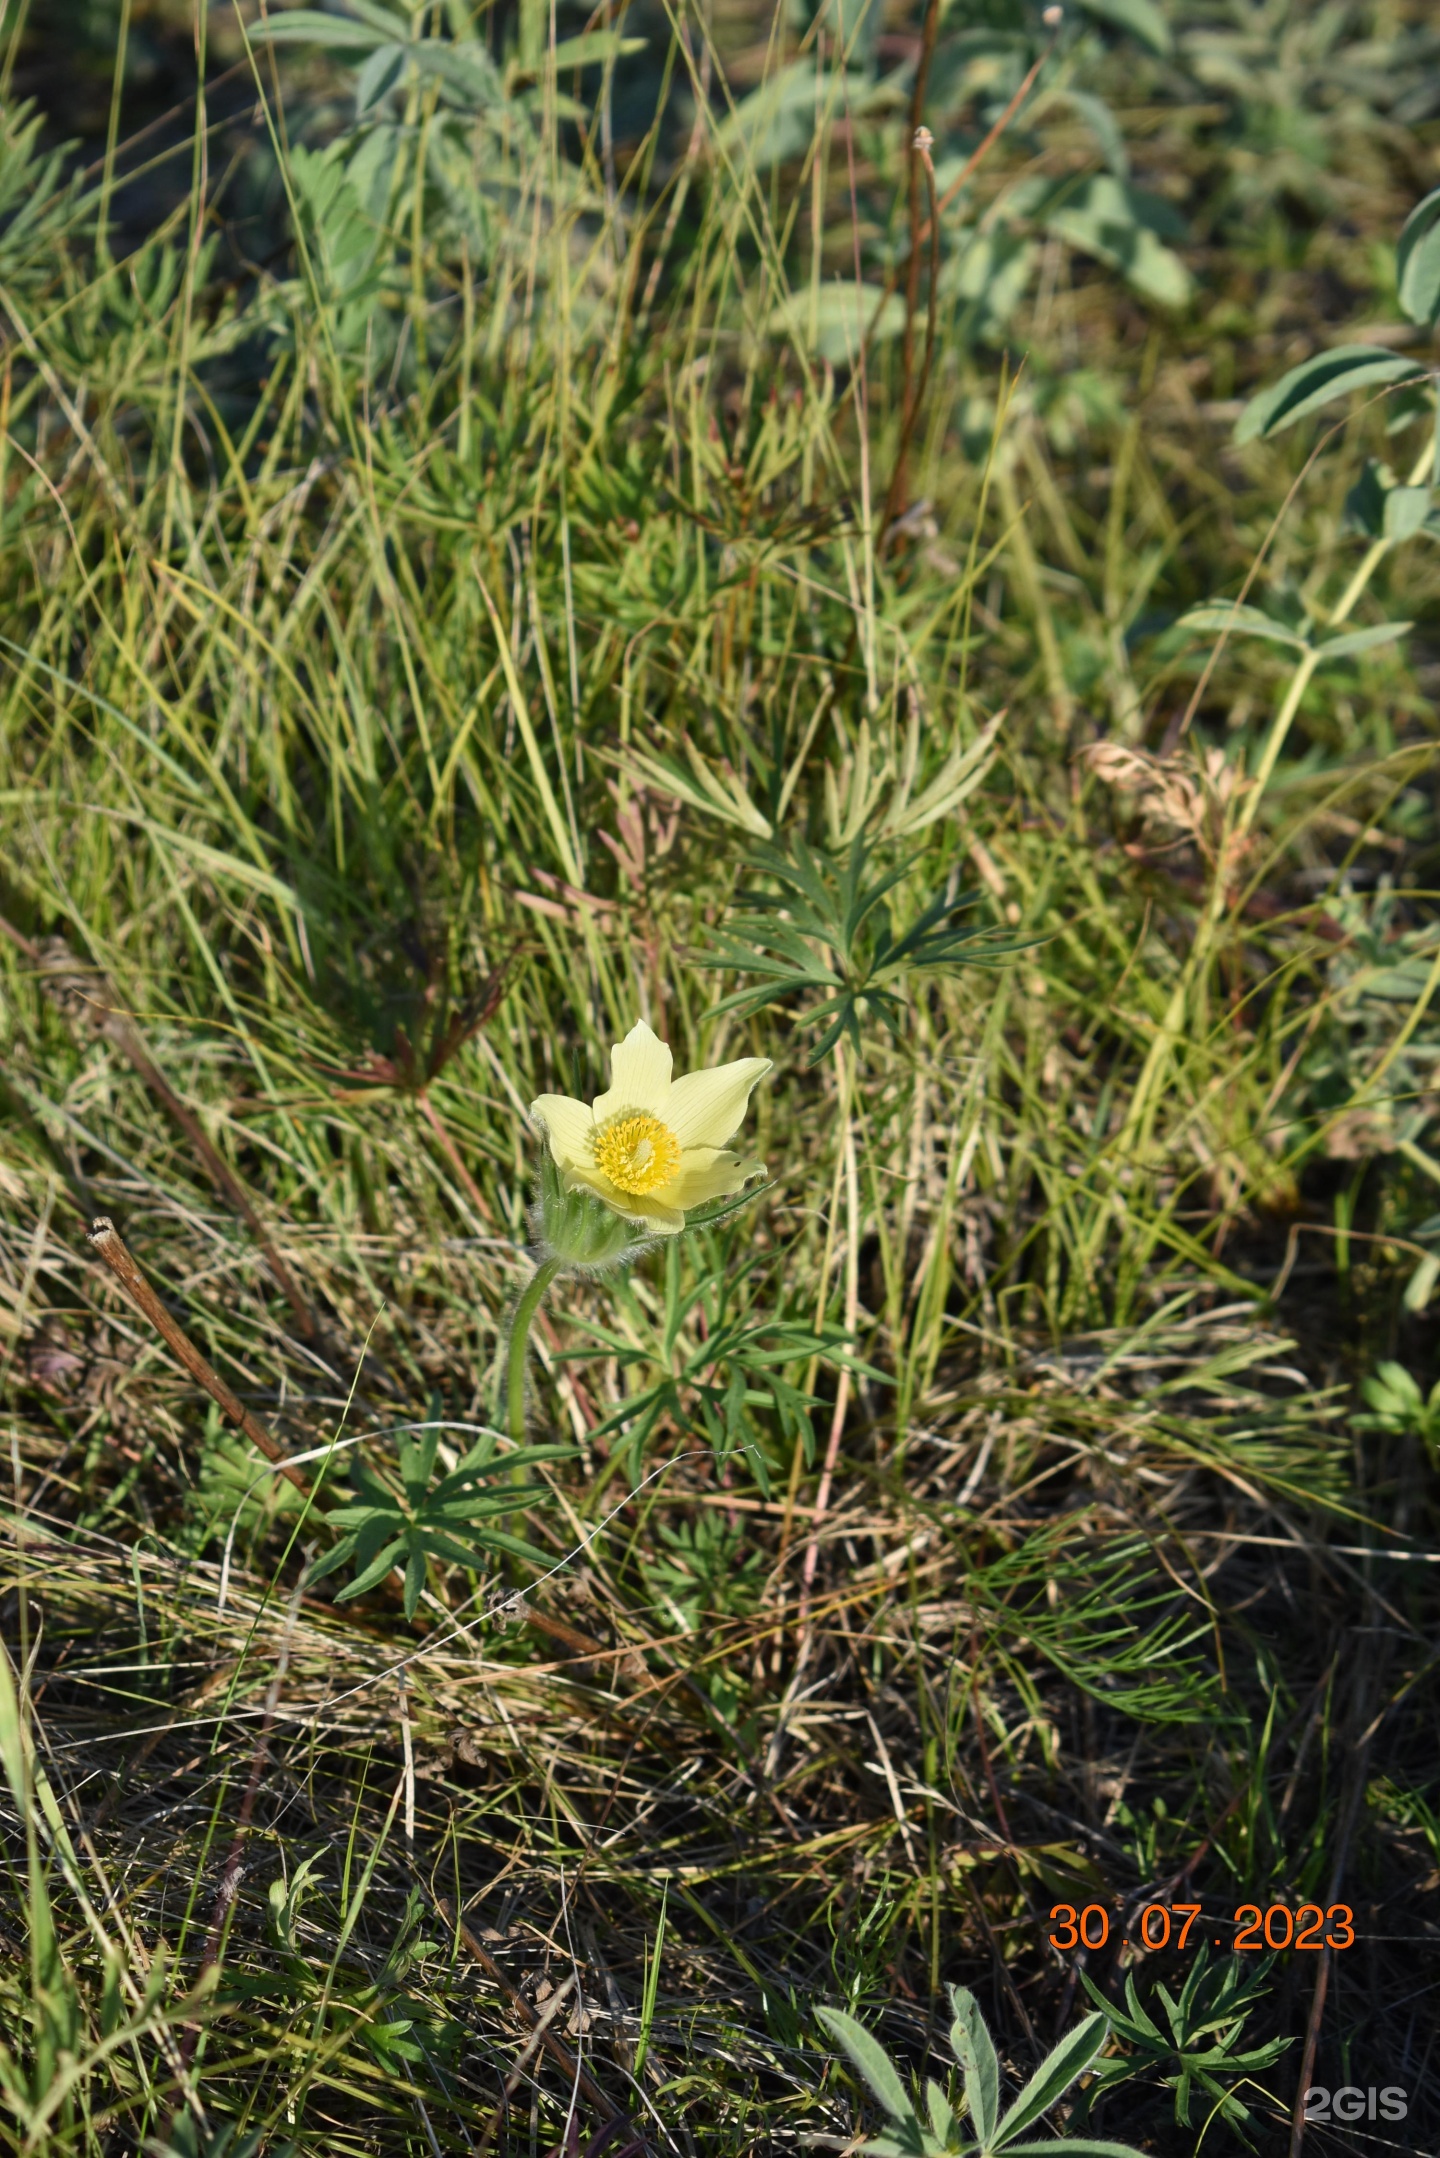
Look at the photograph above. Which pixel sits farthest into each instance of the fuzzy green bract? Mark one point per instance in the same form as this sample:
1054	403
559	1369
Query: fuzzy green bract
383	1528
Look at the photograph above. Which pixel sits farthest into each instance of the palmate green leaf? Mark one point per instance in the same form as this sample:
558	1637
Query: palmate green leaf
1137	2024
483	1462
830	901
447	1522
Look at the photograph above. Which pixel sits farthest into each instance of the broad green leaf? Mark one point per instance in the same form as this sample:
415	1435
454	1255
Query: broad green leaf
838	318
1073	2147
595	47
870	2060
989	278
1102	124
1053	2078
1224	615
333	33
392	22
971	2044
1317	382
1421	1286
466	69
1417	261
776	122
1406	508
1142	18
942	2114
379	76
1122	225
1363	640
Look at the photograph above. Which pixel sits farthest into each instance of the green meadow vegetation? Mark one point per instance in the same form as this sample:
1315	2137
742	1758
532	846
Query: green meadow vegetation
899	540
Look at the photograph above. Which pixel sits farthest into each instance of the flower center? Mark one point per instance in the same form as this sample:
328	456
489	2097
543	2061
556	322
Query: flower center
638	1153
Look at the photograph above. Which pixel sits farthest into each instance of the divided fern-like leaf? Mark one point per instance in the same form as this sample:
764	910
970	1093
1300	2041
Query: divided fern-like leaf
863	963
451	1521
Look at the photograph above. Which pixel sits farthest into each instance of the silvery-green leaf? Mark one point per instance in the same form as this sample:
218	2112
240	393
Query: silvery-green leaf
381	72
1363	640
1406	508
333	33
869	2058
1421	1286
1142	18
971	2044
1122	225
1316	382
1053	2078
1073	2147
1417	260
1224	614
595	47
942	2114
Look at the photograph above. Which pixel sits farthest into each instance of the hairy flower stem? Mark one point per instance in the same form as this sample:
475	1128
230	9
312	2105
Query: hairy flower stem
525	1310
847	1164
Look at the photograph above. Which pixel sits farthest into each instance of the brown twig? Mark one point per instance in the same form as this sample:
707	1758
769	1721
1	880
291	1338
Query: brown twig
232	1871
924	143
76	990
111	1246
921	141
527	2054
559	2052
1368	1676
967	169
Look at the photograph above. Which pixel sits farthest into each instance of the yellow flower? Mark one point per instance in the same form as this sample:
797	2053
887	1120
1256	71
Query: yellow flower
652	1146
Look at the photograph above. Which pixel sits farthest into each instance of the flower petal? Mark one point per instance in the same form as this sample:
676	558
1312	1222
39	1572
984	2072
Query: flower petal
640	1069
568	1125
709	1173
659	1220
708	1108
650	1210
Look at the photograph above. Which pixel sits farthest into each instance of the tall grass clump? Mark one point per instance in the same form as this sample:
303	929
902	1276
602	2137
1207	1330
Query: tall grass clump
893	544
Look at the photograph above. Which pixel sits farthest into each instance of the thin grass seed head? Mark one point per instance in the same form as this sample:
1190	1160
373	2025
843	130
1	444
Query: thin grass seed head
648	1150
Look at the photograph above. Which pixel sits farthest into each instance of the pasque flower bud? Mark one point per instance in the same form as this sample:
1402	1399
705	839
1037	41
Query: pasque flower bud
580	1230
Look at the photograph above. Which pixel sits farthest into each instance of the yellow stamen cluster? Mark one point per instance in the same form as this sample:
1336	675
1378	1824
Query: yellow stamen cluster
638	1153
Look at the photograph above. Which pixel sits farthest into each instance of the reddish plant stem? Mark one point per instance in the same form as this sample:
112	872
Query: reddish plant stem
108	1242
68	983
